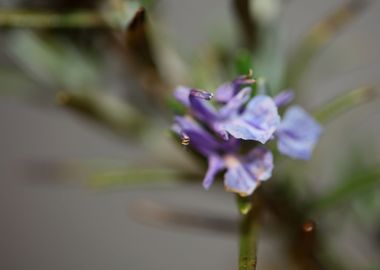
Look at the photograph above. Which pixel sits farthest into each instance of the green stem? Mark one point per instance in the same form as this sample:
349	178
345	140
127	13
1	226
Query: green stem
28	19
344	103
248	239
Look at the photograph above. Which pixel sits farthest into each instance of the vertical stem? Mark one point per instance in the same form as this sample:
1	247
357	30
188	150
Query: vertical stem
248	239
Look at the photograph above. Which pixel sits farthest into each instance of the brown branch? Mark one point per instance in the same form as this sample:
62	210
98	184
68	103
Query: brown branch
141	59
320	35
246	23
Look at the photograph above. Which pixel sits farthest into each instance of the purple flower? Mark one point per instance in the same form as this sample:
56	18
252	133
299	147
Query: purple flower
243	173
284	98
195	135
228	90
217	132
256	121
298	133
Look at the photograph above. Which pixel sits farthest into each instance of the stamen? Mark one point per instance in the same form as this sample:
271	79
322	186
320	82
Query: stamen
185	140
248	79
201	94
250	73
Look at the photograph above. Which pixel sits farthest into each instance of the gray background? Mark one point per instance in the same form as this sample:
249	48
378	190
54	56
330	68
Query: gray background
57	226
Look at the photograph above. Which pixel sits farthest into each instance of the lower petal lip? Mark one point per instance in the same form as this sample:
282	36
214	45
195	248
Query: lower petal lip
243	194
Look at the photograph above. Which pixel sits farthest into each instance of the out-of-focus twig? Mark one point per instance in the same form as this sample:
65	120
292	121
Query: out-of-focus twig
157	214
358	184
344	102
320	35
104	173
140	57
32	19
246	22
138	177
106	109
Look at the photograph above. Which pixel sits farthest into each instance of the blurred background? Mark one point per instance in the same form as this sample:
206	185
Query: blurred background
69	197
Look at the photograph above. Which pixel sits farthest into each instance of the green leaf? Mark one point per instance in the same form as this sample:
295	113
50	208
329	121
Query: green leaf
177	107
243	61
52	62
356	186
343	103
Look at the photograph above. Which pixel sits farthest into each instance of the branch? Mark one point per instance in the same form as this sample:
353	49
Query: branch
320	35
344	103
140	56
246	22
29	19
105	109
357	185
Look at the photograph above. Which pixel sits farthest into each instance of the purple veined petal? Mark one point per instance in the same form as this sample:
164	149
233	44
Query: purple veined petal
225	92
218	127
258	122
237	178
198	138
240	129
182	93
262	112
284	98
260	163
228	90
298	133
233	106
215	165
200	106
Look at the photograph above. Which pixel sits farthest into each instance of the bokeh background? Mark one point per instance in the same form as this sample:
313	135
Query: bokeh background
51	220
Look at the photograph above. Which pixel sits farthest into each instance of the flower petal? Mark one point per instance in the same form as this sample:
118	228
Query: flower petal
181	93
298	133
240	129
225	92
260	163
228	90
284	98
258	122
200	106
215	165
234	105
237	178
